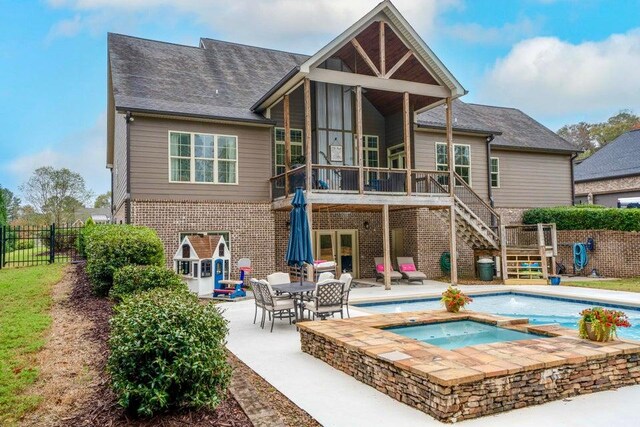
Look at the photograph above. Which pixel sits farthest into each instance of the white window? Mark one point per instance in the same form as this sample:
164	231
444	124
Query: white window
203	158
296	148
495	172
462	160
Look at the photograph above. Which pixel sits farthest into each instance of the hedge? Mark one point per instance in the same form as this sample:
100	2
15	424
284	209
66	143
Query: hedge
132	279
64	240
82	237
585	218
110	247
167	352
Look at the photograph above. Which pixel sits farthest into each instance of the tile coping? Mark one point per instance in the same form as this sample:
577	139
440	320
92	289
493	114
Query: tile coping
556	346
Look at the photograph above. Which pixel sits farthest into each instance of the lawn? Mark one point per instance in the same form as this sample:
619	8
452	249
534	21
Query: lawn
630	285
38	254
24	315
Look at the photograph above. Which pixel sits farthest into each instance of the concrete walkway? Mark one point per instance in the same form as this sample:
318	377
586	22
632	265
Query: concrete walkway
336	399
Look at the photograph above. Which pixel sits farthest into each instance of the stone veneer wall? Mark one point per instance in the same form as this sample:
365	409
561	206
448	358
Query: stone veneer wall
608	185
251	227
474	399
616	254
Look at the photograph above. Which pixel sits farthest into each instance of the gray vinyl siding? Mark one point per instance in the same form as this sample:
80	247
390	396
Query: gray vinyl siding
529	179
296	110
425	156
120	160
393	132
373	123
150	162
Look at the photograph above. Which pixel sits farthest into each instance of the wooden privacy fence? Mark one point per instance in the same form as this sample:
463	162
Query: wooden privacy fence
22	246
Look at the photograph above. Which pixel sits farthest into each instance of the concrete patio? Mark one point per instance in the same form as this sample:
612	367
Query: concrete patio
336	399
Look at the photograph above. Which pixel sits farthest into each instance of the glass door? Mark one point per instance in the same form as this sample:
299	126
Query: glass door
325	246
396	157
348	252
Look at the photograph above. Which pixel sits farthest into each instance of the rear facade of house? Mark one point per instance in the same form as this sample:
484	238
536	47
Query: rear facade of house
215	139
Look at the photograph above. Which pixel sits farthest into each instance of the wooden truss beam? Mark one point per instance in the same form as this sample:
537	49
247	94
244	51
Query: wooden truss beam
364	56
399	64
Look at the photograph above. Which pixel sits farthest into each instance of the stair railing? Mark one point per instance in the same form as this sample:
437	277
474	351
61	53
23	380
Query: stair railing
480	209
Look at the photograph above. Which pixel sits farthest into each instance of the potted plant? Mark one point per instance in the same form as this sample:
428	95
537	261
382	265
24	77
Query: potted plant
600	324
453	299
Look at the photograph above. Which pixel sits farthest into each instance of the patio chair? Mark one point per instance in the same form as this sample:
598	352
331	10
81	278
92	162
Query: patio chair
409	271
276	307
278	278
326	299
346	279
395	275
326	276
324	267
259	300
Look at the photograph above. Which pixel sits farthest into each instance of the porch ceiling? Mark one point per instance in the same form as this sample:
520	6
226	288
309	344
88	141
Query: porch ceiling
388	103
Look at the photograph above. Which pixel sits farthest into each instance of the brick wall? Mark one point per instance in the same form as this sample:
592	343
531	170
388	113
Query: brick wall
251	227
616	254
511	215
608	185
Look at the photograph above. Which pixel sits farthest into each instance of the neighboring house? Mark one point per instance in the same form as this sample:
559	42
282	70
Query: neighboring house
215	138
611	173
98	215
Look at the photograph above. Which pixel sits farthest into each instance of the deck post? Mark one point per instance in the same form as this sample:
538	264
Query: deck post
386	247
307	135
554	243
542	247
406	126
452	209
452	245
287	144
359	139
503	252
450	153
310	269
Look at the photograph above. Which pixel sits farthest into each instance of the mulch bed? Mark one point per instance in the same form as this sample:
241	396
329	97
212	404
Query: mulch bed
100	408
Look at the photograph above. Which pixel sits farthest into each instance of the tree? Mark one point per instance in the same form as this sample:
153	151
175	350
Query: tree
103	200
3	209
12	203
56	193
579	134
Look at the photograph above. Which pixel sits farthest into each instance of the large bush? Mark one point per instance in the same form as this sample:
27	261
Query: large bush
64	239
81	242
132	279
110	247
167	351
586	218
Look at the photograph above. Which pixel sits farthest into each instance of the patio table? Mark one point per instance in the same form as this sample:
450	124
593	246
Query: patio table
296	290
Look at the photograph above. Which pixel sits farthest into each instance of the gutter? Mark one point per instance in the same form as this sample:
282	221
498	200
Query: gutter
606	178
573	183
196	116
457	129
295	70
489	188
128	119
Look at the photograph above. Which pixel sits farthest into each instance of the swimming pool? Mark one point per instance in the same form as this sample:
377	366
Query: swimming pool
460	333
539	309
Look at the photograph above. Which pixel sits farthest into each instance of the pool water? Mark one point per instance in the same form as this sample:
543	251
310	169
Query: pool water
463	333
539	310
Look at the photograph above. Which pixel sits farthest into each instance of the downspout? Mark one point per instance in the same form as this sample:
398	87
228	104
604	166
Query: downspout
573	183
490	190
128	120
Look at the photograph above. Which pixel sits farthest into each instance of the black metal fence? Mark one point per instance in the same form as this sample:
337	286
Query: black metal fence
22	246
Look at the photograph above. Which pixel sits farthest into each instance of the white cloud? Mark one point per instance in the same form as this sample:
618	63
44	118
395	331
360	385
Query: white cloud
548	77
82	152
508	33
303	25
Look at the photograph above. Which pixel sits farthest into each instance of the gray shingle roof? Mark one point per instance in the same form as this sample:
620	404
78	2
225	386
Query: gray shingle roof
513	128
620	157
217	79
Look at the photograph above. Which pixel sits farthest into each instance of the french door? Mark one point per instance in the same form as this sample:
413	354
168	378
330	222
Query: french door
340	246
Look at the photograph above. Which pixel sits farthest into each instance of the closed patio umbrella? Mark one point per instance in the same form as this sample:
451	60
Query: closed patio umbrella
299	250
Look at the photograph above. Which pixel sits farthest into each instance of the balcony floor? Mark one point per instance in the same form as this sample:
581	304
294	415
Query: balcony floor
367	201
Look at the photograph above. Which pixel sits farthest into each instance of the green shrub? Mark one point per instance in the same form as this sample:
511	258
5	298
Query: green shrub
586	218
110	247
24	244
64	240
132	279
82	237
167	351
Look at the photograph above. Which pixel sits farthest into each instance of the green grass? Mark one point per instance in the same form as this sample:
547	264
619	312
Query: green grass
25	294
39	254
629	285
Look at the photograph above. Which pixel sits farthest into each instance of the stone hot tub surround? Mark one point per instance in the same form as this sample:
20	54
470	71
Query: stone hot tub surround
469	382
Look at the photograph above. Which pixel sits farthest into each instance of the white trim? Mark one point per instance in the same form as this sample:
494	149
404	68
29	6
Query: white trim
470	183
402	154
366	149
192	158
497	159
276	143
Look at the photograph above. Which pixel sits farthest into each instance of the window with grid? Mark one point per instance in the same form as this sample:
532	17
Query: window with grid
495	172
203	158
371	155
462	161
296	148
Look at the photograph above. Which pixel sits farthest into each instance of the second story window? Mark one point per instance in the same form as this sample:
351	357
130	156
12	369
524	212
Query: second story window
495	172
203	158
296	148
462	160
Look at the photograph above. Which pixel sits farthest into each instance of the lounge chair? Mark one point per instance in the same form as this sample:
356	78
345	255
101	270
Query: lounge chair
346	279
409	271
280	308
326	300
395	276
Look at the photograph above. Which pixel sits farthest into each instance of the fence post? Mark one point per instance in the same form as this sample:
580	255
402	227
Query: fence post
52	243
1	246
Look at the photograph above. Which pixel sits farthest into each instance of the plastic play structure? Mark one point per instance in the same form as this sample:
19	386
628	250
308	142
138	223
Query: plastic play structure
234	288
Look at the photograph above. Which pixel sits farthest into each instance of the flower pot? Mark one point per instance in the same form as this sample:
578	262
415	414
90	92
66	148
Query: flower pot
592	333
453	309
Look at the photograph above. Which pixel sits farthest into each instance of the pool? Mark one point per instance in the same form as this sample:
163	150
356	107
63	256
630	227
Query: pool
462	333
539	309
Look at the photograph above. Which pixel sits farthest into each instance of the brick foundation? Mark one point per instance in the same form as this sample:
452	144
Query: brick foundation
251	227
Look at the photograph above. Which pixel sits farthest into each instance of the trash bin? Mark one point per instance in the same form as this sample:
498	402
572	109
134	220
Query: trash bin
485	269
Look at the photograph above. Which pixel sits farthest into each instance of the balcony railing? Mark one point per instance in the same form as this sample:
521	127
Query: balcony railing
531	236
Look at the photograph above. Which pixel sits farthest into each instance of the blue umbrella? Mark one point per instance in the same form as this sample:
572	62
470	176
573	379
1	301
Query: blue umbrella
299	250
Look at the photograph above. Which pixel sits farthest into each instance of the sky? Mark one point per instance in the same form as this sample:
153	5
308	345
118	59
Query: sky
560	61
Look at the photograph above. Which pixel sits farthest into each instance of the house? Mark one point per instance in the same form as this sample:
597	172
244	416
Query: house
98	215
202	261
611	173
214	138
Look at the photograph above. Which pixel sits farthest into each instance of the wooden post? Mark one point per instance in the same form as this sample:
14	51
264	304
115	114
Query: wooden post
386	250
406	126
554	242
452	245
383	58
503	252
543	253
359	139
307	134
450	153
310	269
287	144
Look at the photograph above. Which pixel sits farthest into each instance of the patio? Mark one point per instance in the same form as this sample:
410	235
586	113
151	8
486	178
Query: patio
336	399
